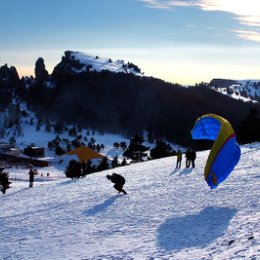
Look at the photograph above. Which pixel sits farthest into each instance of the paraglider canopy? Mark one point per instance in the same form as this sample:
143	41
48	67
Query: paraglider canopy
224	154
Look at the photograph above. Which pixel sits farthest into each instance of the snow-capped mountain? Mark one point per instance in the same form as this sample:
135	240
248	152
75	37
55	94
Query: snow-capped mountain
247	90
79	62
168	214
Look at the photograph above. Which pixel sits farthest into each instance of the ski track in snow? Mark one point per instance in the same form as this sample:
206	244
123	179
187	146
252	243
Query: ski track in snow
168	214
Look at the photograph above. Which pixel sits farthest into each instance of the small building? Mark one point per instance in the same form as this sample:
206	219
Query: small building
4	146
34	151
14	152
10	149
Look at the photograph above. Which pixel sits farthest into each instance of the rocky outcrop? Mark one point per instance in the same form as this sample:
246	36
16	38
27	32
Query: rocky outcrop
75	63
67	64
41	74
222	83
9	83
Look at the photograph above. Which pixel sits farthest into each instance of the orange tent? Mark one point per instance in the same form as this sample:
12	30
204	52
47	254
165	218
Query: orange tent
84	153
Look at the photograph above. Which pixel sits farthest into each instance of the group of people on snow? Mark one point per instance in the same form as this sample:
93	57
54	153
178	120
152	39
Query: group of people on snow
119	180
190	156
116	178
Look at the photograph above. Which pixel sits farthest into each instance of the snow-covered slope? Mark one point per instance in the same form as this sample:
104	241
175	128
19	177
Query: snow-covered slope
167	214
79	62
247	90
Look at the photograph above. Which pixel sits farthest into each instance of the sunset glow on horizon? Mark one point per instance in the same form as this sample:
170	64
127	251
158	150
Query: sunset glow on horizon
184	42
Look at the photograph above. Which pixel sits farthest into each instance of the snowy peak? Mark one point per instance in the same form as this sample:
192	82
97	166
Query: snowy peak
247	90
78	62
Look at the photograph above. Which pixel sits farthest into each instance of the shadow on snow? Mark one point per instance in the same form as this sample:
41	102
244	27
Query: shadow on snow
196	230
67	182
100	207
184	171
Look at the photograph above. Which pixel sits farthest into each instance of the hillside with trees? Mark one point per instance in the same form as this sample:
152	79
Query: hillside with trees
125	103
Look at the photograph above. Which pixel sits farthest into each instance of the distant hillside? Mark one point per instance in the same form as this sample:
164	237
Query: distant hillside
114	96
239	89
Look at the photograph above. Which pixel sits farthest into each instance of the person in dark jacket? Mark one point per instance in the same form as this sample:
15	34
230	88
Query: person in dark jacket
32	173
118	180
4	181
179	158
193	158
188	158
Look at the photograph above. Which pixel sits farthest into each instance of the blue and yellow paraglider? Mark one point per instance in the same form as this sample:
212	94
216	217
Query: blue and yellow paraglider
224	154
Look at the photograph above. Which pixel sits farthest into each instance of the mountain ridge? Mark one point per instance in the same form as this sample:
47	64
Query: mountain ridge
78	62
247	90
125	102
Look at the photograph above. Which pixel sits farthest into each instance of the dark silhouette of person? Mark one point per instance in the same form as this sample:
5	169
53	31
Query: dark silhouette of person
179	158
193	158
32	173
4	182
119	182
188	158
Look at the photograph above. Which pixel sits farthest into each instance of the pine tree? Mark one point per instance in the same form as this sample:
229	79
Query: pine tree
136	151
161	149
123	145
116	145
38	126
73	170
12	140
87	168
150	137
47	126
124	162
59	150
115	162
73	131
2	132
249	129
103	165
58	128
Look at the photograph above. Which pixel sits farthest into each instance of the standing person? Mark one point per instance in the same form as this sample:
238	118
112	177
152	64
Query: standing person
193	158
188	159
31	173
4	181
119	182
179	158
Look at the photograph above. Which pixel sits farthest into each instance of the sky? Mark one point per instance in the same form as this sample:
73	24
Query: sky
179	41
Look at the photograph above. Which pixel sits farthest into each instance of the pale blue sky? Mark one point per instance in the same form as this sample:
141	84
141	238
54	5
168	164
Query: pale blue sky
181	41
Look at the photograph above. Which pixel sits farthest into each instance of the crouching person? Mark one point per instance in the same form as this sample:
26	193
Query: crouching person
118	180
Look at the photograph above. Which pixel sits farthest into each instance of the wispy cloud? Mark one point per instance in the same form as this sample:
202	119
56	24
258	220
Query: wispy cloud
246	12
168	4
249	35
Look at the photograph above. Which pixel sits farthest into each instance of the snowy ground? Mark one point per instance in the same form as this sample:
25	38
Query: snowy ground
167	214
